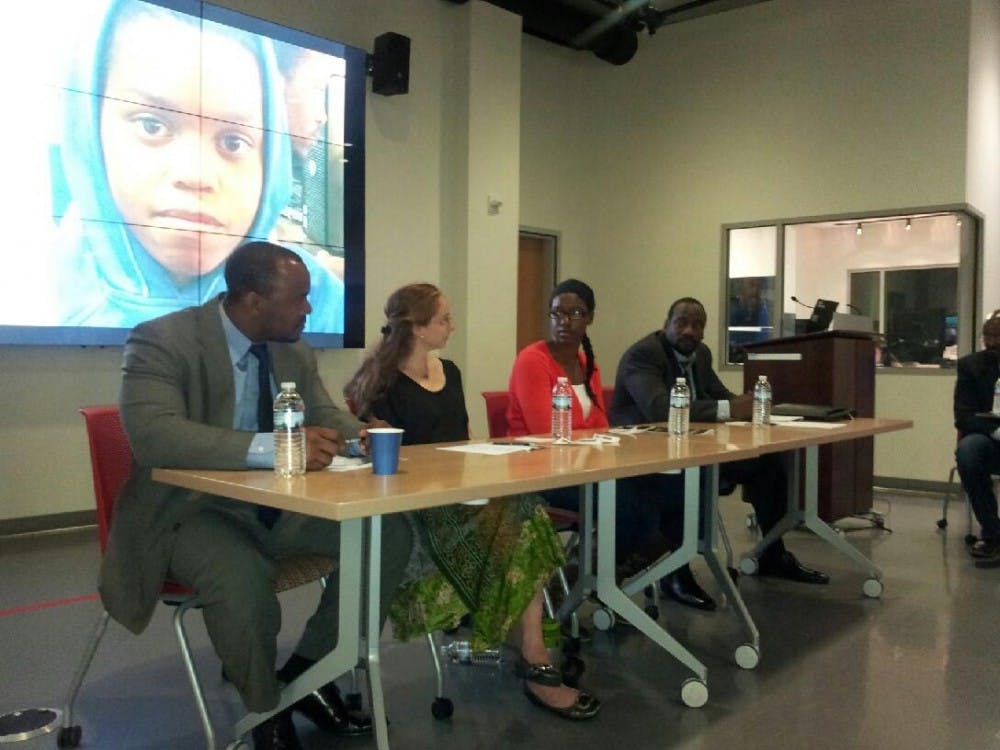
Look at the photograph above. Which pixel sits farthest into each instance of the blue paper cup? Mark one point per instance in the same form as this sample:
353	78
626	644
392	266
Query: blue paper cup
385	442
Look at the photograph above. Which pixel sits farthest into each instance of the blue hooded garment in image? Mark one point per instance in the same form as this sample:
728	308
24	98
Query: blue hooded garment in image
107	278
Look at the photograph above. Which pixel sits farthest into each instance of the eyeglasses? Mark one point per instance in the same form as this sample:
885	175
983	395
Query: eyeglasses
574	314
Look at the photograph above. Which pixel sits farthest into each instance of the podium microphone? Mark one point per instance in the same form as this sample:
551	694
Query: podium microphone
854	307
793	298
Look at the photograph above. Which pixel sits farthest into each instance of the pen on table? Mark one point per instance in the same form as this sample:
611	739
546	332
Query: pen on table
516	442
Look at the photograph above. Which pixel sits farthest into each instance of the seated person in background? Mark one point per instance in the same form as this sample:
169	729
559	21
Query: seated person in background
189	399
638	541
489	560
978	452
646	373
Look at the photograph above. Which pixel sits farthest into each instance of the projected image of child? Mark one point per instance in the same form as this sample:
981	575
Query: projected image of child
314	217
182	156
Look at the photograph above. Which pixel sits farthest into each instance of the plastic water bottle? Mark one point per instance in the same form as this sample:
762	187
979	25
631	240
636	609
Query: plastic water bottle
996	397
461	652
680	407
562	410
289	432
762	401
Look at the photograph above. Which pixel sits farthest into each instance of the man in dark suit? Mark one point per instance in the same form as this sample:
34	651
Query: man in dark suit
648	370
978	452
189	399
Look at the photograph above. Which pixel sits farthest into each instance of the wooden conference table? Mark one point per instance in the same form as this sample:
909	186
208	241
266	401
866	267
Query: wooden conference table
430	477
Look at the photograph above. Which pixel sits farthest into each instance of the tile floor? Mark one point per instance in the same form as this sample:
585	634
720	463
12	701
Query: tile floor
837	670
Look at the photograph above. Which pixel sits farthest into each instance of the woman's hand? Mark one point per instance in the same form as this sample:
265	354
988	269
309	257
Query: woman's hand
363	433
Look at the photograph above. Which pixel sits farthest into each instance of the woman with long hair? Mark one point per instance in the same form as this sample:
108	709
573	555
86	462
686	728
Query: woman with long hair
488	560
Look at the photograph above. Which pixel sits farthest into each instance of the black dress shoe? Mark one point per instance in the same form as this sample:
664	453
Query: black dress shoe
277	733
985	548
682	588
325	708
786	566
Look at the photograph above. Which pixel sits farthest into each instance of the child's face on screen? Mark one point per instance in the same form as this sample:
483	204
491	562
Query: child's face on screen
188	185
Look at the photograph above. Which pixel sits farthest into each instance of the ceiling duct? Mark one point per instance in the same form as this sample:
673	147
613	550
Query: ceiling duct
608	28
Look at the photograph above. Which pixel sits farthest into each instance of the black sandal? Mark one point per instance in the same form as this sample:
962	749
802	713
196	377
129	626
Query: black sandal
586	705
540	674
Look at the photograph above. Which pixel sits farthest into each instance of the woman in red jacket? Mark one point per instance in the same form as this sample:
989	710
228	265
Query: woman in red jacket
646	520
571	310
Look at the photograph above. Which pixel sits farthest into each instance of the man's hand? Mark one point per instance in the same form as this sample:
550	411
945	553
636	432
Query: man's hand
741	407
322	444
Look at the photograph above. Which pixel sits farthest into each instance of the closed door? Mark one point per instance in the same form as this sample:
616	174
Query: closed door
536	274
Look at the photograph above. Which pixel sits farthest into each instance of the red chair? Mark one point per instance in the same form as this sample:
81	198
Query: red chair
111	463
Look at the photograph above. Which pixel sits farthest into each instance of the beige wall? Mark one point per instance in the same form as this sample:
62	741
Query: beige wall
781	109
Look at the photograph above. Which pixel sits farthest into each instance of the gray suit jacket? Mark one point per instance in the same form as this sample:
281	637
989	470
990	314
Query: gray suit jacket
647	371
177	403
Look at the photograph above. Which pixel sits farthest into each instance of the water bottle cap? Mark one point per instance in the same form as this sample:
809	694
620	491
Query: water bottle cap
288	385
762	378
682	381
561	379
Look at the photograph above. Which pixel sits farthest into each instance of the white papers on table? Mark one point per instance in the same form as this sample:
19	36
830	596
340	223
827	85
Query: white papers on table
818	425
778	419
489	449
343	463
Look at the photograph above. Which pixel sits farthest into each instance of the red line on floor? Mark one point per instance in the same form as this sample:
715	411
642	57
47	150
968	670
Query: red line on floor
47	605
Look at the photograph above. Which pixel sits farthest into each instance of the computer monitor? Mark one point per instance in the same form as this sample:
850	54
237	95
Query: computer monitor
821	316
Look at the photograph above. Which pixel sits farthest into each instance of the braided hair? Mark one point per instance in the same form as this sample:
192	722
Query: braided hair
584	292
408	306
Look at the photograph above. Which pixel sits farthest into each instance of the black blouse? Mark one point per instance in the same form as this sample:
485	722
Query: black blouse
426	416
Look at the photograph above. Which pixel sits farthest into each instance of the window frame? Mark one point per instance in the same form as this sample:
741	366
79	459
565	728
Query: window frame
970	263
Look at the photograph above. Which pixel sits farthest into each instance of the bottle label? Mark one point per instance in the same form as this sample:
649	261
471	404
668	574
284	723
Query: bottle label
288	420
562	402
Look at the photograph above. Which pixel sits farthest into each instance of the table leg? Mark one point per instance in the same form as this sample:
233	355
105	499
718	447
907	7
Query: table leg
809	516
746	655
694	693
372	630
344	655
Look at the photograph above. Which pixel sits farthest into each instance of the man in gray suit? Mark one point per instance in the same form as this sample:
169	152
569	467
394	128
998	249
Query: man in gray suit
645	375
189	399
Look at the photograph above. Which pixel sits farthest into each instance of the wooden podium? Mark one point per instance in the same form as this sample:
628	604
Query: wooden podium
833	368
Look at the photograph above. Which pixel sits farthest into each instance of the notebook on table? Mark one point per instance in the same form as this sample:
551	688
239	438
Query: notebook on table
813	412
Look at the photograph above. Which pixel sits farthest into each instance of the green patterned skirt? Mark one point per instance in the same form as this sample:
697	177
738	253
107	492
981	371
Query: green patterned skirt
486	560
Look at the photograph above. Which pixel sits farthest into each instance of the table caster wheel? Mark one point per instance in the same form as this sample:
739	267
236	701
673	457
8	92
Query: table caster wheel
603	618
971	539
872	588
748	566
652	611
572	670
69	736
747	656
694	692
442	708
942	523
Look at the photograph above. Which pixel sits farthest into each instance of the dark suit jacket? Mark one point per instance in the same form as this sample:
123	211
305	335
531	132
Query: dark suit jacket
177	403
977	374
647	371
